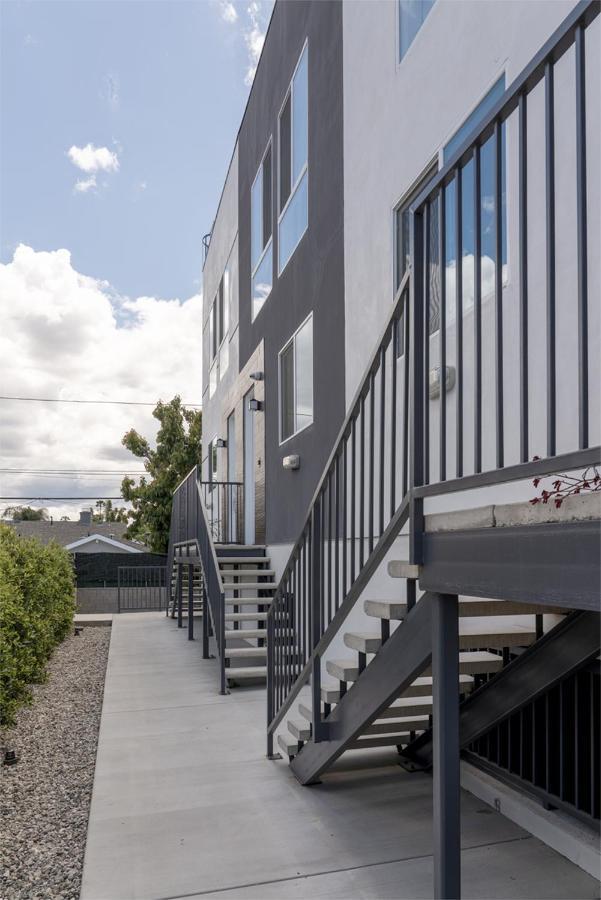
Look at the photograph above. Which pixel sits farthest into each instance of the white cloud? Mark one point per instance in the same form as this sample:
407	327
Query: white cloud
254	37
93	159
253	29
228	12
67	335
83	185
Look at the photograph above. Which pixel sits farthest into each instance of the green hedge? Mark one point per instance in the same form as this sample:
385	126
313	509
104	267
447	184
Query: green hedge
37	603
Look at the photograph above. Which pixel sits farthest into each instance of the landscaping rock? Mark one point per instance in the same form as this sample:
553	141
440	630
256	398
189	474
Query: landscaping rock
45	797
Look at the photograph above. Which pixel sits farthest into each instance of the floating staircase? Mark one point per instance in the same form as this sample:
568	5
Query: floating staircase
485	641
248	583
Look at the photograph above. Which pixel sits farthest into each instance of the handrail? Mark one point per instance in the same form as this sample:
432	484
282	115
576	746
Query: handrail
191	530
356	513
368	490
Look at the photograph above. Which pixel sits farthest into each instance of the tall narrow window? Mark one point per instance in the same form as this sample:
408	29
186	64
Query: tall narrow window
412	15
261	242
402	227
296	382
293	158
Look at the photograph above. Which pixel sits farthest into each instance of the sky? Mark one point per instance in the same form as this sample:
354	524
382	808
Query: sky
117	123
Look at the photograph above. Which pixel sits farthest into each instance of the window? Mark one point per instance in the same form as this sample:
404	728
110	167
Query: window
474	118
293	132
219	323
296	382
261	243
402	236
412	15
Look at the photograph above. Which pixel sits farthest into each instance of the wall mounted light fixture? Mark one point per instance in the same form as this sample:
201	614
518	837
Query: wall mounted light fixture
257	376
255	405
220	443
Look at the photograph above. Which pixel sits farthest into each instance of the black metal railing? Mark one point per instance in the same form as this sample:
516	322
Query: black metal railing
392	451
224	502
141	588
551	747
357	511
191	543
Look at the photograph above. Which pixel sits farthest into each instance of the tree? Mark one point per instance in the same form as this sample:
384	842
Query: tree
178	449
109	513
25	514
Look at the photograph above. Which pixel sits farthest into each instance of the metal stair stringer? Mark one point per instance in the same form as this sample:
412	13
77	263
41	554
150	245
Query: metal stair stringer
565	648
401	659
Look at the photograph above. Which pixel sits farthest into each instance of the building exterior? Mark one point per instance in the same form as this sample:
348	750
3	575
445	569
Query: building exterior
294	302
401	334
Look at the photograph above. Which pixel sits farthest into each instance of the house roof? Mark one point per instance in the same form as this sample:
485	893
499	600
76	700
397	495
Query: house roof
67	533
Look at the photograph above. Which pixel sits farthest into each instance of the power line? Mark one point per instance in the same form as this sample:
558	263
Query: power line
102	497
73	471
111	402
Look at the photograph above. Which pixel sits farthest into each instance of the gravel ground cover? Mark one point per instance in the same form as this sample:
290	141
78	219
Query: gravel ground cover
45	797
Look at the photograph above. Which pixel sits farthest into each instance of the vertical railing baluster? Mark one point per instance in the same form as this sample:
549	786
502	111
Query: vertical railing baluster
316	609
372	452
394	343
406	386
459	321
382	440
425	313
337	511
582	243
353	482
550	253
344	461
362	485
329	599
442	252
500	436
523	241
419	236
477	313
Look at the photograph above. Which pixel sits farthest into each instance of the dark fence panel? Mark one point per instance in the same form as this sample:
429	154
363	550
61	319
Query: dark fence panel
100	569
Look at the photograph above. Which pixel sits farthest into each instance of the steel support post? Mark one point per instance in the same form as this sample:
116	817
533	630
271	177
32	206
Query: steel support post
180	597
445	694
205	622
190	602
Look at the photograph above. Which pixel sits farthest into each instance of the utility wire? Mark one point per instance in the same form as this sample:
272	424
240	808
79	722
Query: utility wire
111	402
102	497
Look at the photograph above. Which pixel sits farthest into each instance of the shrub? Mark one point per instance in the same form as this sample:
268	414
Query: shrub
37	602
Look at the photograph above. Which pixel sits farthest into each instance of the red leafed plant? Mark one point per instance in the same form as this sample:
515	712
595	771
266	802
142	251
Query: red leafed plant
564	486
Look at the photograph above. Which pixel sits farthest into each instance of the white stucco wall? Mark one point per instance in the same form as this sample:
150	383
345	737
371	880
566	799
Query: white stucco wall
223	248
397	117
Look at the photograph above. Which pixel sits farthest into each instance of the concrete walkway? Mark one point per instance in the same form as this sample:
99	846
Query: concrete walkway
186	805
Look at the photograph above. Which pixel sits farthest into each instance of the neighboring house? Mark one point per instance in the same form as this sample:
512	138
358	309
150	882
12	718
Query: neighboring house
401	329
99	550
84	536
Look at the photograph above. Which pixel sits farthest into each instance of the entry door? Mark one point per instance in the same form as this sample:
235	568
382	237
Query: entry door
232	491
249	471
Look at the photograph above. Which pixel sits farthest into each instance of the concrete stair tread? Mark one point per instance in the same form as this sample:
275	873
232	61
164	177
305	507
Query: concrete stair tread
242	560
245	652
246	617
343	669
245	633
385	609
250	586
237	573
245	601
287	744
363	641
299	729
243	673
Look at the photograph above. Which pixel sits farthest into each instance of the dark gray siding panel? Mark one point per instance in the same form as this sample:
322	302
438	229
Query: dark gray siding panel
313	280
